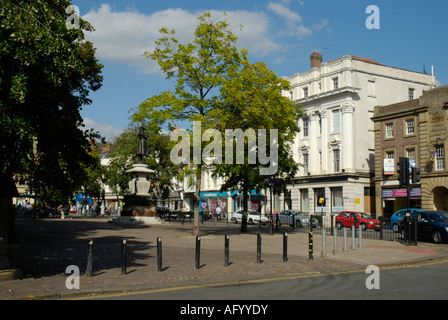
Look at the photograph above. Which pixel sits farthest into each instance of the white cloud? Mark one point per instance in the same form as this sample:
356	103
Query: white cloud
293	21
106	130
124	36
285	13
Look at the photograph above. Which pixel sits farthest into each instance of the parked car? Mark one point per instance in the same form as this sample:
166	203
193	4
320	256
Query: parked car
346	219
252	217
297	218
431	225
398	216
162	212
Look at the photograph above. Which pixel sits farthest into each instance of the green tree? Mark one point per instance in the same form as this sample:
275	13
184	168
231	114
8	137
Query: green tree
200	69
251	100
46	73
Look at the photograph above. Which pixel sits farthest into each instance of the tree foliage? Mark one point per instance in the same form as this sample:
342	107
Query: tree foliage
217	87
252	99
200	68
46	73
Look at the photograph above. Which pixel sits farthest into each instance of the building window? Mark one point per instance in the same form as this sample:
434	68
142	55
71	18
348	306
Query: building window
305	163
306	126
304	201
337	203
291	94
410	127
335	83
389	130
336	120
337	160
411	93
440	157
411	154
390	155
305	92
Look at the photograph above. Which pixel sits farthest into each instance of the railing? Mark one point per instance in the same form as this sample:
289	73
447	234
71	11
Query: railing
320	223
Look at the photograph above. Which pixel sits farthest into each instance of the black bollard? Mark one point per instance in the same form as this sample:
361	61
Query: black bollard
226	250
123	257
159	254
415	221
310	253
197	253
89	272
258	248
285	247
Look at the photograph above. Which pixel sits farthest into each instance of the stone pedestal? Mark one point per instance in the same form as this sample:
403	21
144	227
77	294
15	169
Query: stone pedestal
140	206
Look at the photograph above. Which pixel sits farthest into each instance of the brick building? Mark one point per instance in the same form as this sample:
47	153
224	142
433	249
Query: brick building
416	129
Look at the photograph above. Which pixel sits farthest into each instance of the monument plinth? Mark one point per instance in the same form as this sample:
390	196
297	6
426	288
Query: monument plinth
141	204
142	201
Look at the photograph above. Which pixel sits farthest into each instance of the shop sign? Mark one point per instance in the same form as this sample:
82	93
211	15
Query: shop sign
401	193
389	167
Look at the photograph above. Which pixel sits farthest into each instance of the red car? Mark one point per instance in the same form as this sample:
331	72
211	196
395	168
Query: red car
346	219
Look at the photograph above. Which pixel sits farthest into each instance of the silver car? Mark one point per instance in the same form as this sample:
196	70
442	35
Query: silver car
252	217
299	219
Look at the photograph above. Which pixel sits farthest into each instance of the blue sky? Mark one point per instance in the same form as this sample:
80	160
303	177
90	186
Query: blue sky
282	33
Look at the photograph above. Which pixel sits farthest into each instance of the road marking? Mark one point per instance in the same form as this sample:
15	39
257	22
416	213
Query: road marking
256	281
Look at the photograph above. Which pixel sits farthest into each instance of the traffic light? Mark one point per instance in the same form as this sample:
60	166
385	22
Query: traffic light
415	175
403	171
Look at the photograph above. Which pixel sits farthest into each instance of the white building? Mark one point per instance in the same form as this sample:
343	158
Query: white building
336	143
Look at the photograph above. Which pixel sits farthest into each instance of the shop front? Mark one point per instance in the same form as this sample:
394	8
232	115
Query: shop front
396	199
230	201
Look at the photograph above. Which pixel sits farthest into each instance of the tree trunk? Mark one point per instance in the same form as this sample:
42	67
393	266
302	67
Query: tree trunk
196	204
8	190
245	198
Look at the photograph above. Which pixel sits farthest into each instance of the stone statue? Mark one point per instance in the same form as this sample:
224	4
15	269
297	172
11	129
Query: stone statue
142	148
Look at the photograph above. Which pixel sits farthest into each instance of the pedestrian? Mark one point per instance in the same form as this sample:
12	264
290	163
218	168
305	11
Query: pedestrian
61	212
218	212
103	209
94	209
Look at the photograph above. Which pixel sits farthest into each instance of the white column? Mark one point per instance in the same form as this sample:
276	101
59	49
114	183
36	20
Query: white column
324	141
347	137
313	155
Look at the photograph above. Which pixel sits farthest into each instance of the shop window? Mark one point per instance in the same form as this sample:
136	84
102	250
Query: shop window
337	203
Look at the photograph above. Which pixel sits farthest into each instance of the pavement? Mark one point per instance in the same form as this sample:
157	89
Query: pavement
46	247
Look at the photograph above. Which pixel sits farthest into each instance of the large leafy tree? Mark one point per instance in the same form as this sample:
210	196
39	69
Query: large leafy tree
252	100
46	73
200	68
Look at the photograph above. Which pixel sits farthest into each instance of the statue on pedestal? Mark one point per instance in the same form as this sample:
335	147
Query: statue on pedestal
141	201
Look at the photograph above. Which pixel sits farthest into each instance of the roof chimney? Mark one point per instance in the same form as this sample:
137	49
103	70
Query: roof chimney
316	59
